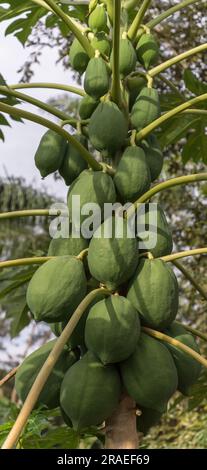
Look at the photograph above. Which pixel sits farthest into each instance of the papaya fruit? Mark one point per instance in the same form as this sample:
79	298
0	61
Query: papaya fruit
134	86
101	43
154	155
56	289
154	293
96	81
97	20
127	57
87	107
113	253
147	419
50	153
112	329
147	50
188	369
78	57
132	177
146	108
90	392
29	369
73	163
107	128
146	228
149	375
67	246
92	187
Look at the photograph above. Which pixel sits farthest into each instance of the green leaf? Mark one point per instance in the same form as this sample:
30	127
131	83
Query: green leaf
176	128
193	84
170	100
196	147
3	121
20	320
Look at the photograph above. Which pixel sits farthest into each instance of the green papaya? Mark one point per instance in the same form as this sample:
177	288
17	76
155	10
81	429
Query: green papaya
112	329
92	187
146	108
87	107
132	177
78	57
113	253
149	374
154	293
134	86
154	155
96	81
163	243
29	369
107	128
127	57
147	419
56	289
147	50
90	392
73	163
101	43
67	246
188	369
50	153
65	418
98	19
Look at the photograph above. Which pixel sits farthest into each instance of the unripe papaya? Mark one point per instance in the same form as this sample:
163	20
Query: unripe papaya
113	252
56	289
146	108
29	369
147	50
73	163
92	187
149	374
127	57
107	128
87	107
50	153
154	155
90	392
147	419
78	57
134	86
96	81
101	43
112	329
132	177
188	369
154	293
98	19
67	246
163	236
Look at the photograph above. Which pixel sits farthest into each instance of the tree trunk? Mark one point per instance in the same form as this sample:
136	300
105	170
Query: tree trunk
121	430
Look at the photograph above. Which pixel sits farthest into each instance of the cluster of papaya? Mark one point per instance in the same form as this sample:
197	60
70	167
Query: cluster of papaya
108	351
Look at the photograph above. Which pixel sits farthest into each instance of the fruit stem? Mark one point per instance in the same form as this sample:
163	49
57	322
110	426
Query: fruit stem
176	343
183	254
165	185
151	24
121	430
174	60
138	19
47	368
194	331
190	278
173	112
25	261
55	86
82	254
115	87
72	27
26	213
13	111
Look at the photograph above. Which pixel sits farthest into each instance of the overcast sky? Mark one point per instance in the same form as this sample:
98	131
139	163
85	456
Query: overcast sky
21	141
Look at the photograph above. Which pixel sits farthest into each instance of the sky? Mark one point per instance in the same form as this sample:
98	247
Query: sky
21	140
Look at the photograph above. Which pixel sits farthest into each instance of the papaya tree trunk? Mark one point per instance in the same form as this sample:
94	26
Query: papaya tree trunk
121	430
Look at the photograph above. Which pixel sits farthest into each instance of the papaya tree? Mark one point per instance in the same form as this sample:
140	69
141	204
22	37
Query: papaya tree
108	291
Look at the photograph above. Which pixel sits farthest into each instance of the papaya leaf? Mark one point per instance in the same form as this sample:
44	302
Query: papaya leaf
196	147
169	101
21	27
193	83
176	128
20	321
58	438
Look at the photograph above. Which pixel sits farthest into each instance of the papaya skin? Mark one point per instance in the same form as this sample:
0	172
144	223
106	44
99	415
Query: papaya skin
50	153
